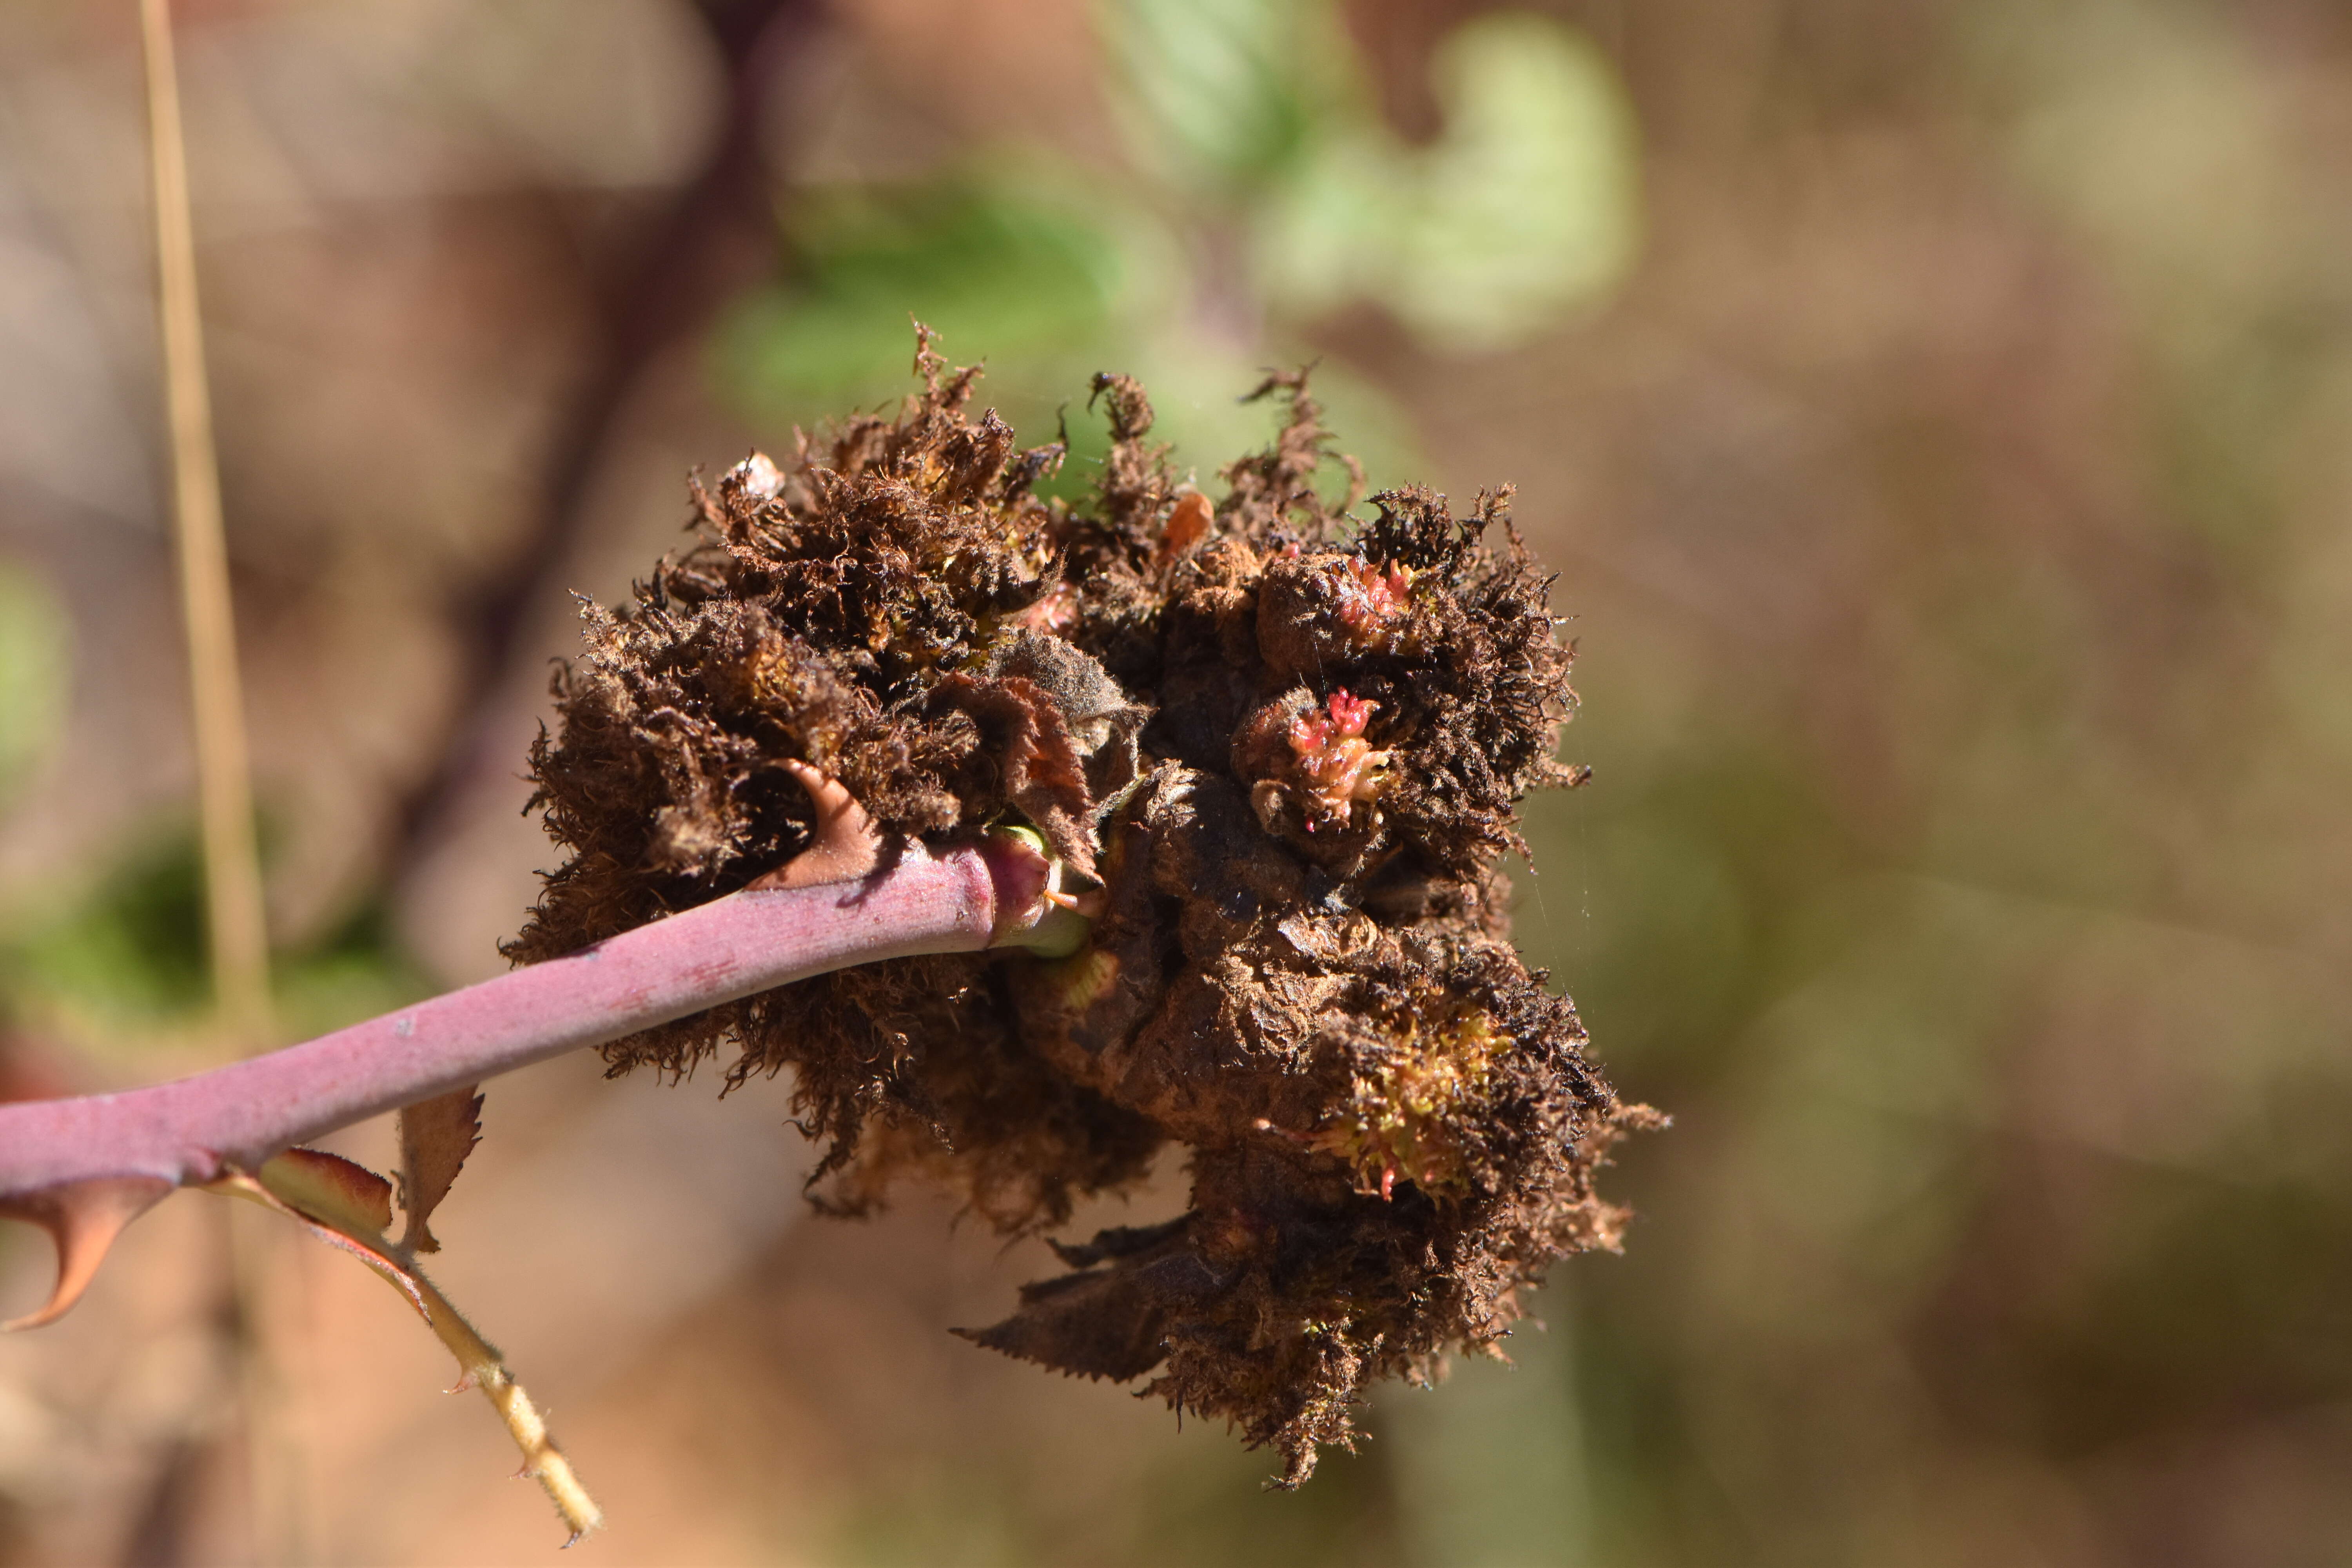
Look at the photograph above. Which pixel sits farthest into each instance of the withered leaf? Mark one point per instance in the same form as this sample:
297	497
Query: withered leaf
435	1136
338	1193
1106	1322
1033	763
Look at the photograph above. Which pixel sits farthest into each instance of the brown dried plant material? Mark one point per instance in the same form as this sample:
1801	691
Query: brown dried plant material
435	1136
1286	748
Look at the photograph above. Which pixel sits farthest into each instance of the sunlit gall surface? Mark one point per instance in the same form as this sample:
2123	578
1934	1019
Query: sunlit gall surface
1285	746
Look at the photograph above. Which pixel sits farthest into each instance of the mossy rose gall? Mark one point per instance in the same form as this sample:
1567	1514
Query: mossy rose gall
1281	752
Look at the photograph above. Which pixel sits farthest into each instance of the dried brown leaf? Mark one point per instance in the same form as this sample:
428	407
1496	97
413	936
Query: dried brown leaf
329	1189
435	1136
1031	762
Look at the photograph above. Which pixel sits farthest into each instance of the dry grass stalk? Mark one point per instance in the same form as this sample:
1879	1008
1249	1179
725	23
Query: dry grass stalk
239	934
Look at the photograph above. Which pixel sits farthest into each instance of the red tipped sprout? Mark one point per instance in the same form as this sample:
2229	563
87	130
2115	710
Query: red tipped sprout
1338	765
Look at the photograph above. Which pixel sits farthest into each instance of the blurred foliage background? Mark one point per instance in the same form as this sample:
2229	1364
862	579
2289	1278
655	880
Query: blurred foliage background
1936	412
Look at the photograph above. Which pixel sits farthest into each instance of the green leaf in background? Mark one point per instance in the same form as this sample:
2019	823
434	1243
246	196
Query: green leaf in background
131	948
126	960
1000	271
34	672
1045	288
1529	202
1526	208
1222	94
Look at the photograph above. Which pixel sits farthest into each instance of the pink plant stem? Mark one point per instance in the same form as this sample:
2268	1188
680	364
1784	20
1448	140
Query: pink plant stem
198	1129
